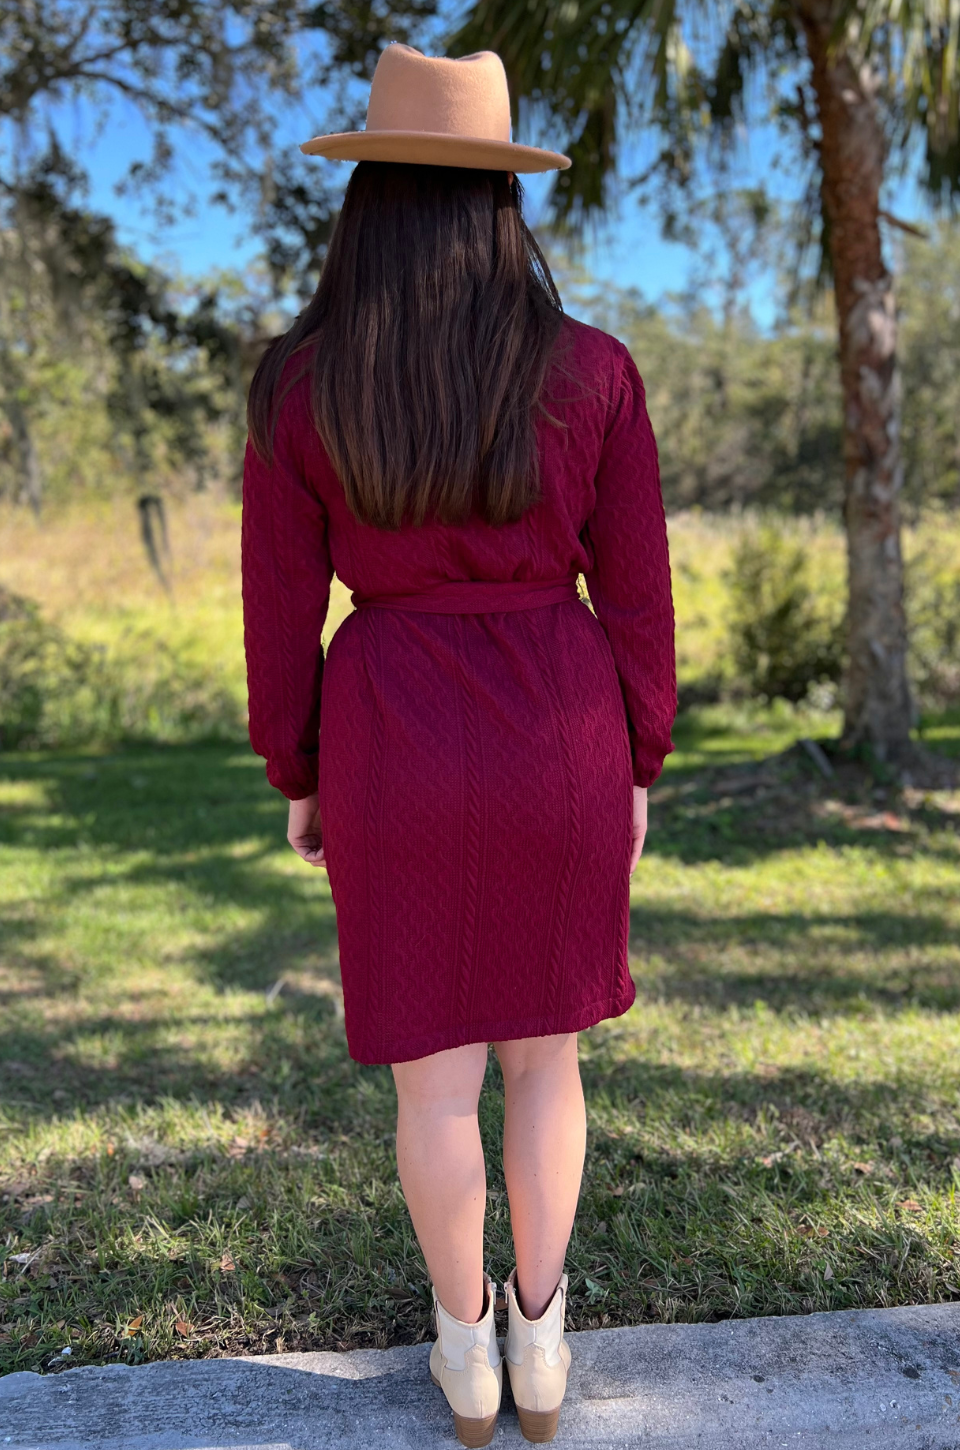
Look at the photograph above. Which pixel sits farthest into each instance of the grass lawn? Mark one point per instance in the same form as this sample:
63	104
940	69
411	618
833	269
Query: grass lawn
190	1164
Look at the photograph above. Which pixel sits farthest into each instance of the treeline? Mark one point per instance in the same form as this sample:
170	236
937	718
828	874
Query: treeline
752	418
138	385
113	375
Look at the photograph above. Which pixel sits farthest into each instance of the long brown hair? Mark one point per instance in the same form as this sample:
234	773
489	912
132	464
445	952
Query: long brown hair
431	334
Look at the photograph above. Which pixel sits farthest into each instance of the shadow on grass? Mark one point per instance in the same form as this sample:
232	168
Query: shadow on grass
204	818
183	804
744	1219
695	819
796	963
730	796
706	1191
200	819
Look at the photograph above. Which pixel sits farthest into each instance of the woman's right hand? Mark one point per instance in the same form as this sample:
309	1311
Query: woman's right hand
304	831
639	825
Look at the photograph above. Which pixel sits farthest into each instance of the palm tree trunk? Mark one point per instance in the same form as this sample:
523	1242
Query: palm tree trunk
878	711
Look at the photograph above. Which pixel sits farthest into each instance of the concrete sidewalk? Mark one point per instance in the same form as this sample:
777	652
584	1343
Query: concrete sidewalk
869	1378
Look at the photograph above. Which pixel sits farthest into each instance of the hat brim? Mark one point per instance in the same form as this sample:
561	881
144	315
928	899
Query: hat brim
429	148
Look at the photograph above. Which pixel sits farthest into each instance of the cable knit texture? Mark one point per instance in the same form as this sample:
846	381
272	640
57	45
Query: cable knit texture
474	770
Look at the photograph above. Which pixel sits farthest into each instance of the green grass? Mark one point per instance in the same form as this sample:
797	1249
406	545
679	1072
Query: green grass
190	1164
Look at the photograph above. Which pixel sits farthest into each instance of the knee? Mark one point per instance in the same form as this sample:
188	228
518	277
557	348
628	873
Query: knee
445	1085
533	1056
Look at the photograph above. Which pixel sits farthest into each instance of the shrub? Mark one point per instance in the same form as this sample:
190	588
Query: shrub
57	692
44	675
933	620
786	638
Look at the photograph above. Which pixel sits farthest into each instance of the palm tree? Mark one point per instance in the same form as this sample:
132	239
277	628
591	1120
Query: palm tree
876	77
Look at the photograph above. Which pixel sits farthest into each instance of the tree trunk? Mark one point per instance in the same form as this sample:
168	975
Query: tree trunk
878	711
29	463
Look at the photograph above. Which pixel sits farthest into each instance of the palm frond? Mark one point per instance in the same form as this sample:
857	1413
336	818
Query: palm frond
579	66
921	42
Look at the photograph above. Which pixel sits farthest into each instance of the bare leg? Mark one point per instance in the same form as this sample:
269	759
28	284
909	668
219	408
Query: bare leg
442	1170
544	1140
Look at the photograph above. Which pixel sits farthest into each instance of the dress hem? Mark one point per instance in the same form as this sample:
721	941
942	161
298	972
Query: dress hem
510	1031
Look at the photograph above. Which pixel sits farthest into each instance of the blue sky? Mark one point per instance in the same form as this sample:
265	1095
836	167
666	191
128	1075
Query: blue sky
628	250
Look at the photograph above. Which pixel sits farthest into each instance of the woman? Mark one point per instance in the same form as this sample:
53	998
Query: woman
473	774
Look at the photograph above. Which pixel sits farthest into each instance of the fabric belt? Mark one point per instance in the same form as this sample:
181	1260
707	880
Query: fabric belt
476	596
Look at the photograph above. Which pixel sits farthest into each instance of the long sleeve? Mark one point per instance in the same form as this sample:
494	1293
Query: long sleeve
286	590
629	579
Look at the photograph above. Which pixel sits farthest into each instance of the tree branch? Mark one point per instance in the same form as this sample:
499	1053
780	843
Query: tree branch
894	221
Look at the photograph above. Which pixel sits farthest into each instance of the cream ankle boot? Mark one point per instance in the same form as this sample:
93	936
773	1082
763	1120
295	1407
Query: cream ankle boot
465	1364
537	1362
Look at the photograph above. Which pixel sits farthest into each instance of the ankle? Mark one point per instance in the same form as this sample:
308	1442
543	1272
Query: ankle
531	1308
534	1300
468	1305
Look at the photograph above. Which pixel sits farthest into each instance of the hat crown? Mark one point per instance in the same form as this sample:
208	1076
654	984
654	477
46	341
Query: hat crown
439	96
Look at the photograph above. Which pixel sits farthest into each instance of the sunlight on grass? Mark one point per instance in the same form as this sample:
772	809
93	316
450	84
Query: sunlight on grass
773	1127
190	1164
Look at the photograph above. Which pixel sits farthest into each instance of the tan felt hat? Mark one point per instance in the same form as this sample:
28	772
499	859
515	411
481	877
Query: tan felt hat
438	112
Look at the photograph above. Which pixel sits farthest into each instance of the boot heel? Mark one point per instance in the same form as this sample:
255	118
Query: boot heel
538	1426
474	1433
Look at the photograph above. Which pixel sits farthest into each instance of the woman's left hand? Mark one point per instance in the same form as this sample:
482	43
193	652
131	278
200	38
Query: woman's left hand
304	831
639	824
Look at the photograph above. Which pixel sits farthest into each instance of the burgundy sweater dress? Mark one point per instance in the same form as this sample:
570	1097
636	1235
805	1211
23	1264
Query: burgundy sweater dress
479	729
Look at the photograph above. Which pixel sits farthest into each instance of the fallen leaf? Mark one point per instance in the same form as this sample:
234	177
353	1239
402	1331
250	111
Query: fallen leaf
135	1323
183	1326
823	1233
862	1167
136	1182
910	1205
227	1264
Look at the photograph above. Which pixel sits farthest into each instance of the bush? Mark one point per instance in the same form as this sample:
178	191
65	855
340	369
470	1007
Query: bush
43	676
933	620
57	692
786	640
